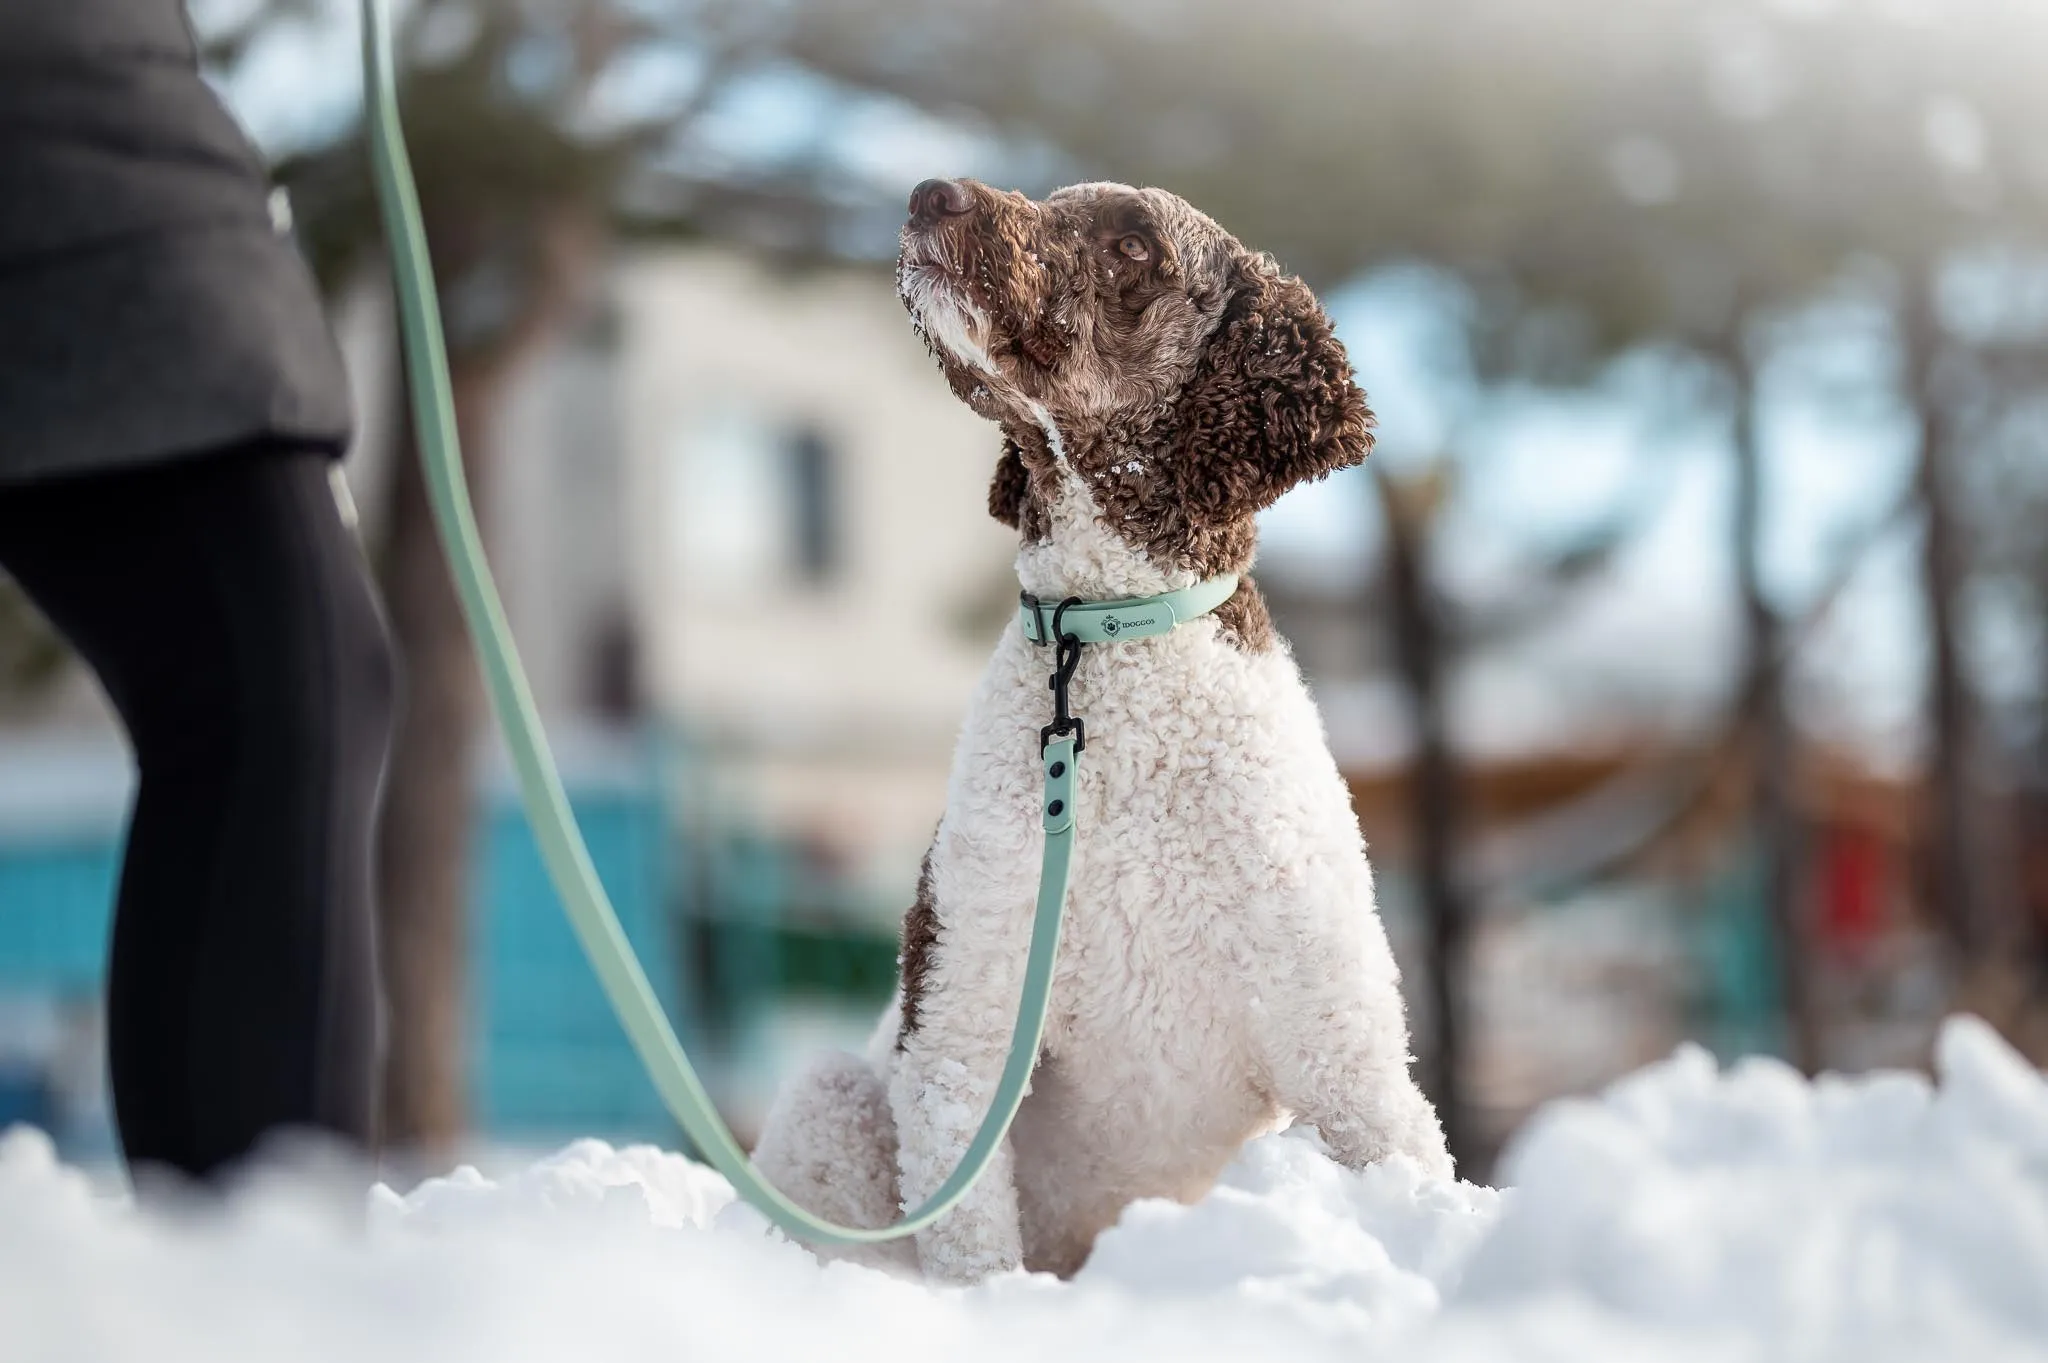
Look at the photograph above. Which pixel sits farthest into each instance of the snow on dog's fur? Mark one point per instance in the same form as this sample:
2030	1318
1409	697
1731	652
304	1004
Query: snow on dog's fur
1223	967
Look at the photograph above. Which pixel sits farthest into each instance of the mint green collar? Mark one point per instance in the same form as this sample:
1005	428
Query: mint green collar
1137	617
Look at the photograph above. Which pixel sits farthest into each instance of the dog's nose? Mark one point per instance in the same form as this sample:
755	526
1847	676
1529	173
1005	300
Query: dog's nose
936	199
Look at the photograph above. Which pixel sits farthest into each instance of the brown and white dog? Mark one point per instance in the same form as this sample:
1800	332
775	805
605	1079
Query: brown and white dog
1223	967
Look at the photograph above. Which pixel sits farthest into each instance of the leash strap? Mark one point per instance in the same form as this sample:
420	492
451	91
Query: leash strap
1137	617
562	848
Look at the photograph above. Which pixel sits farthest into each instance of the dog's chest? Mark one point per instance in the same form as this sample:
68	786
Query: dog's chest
1216	861
1190	759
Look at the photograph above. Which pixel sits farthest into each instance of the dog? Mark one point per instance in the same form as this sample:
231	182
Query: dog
1223	968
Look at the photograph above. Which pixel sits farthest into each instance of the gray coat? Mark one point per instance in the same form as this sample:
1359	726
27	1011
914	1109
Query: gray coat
149	308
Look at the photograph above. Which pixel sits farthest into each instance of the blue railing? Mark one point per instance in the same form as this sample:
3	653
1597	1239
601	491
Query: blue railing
546	1057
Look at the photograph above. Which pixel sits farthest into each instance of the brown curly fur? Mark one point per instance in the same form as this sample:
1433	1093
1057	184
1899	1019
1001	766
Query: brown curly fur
920	939
1192	382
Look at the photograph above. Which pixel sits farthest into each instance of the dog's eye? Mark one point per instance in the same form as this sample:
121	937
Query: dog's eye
1135	247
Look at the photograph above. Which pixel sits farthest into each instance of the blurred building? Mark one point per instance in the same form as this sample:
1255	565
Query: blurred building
740	526
815	571
741	501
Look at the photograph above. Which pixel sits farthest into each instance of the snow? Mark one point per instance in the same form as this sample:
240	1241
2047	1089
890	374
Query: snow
1686	1214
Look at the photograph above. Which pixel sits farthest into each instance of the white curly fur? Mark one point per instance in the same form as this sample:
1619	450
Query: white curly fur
1223	966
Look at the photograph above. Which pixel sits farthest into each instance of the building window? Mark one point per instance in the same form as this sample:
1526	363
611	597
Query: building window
814	506
724	499
756	502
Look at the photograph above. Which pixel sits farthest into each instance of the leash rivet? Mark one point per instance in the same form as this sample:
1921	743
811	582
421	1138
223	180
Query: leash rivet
1059	769
1055	807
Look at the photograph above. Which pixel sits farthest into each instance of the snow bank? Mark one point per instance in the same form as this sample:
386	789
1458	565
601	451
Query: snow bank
1685	1215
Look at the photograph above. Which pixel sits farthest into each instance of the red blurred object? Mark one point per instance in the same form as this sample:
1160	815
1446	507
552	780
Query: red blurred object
1852	884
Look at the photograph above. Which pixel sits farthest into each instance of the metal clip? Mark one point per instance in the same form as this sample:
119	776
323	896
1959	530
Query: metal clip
1066	660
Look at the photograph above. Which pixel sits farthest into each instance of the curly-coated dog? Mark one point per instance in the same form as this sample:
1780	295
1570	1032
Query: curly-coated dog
1223	967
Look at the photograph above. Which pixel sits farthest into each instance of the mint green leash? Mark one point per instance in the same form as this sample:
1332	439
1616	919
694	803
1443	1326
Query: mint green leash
547	806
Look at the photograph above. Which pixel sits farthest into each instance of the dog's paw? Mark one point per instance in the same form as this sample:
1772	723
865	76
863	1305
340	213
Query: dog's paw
962	1261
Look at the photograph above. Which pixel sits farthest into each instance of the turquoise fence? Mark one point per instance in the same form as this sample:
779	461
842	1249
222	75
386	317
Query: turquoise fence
723	938
55	903
546	1057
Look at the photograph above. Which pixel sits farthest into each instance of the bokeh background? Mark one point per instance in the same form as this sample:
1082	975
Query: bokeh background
1685	641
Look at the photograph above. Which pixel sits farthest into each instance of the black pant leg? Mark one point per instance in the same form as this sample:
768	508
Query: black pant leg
226	610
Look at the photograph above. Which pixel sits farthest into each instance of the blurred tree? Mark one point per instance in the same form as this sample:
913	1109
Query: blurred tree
524	147
1953	879
1982	469
1775	831
1418	623
513	202
1887	134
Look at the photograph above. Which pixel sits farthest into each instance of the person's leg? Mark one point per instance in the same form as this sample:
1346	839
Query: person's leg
227	612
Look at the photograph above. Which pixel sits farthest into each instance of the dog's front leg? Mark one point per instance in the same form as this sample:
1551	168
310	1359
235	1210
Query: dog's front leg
961	990
940	1091
1366	1106
1338	1055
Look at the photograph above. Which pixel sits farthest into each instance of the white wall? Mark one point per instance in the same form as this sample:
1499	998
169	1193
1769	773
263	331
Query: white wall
844	697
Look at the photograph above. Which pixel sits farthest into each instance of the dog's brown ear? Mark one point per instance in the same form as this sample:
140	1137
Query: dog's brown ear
1007	492
1273	403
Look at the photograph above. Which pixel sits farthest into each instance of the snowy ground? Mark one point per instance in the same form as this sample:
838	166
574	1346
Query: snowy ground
1685	1215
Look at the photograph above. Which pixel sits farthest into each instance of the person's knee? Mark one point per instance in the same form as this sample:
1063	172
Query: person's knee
316	705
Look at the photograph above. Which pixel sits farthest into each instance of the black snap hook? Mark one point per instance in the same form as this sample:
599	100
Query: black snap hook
1059	621
1065	661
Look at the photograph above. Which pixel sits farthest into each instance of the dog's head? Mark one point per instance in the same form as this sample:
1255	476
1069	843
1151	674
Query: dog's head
1203	381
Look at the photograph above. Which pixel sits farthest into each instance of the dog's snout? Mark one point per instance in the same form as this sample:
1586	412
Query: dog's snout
936	199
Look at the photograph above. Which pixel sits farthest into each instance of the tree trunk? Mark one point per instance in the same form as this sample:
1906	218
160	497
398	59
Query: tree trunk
1436	812
1774	822
430	804
1954	892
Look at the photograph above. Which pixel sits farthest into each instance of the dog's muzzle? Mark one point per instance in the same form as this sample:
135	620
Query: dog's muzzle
934	201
